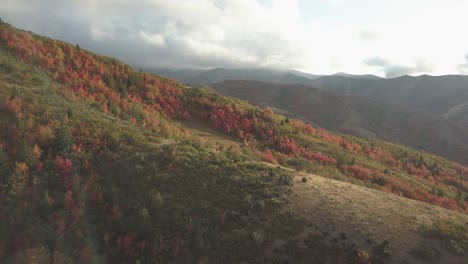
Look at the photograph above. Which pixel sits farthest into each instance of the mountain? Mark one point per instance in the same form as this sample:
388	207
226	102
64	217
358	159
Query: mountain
358	116
289	78
304	74
360	76
444	95
100	163
202	77
181	75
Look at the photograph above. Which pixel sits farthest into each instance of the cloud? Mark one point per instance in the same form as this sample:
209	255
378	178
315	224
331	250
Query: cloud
463	68
247	33
376	61
150	33
419	66
368	35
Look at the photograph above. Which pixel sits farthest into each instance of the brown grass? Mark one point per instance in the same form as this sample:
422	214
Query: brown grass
338	207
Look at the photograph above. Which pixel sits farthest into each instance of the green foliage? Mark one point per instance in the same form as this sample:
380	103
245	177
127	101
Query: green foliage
453	235
14	92
25	154
63	141
426	253
4	166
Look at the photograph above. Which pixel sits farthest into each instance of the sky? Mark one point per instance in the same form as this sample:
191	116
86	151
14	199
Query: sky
388	38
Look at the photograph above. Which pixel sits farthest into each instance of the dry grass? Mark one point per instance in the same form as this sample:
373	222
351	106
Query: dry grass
337	207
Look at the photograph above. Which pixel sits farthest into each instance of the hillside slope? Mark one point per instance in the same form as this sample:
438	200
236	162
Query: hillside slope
102	163
335	210
358	116
437	94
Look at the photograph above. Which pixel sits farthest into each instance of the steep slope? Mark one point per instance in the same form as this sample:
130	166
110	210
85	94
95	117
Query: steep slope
358	116
81	182
101	163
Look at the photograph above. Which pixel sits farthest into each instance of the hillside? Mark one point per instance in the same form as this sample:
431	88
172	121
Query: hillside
358	116
334	209
102	163
443	95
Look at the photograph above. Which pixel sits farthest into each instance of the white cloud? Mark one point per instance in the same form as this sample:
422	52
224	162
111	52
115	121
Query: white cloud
156	39
423	36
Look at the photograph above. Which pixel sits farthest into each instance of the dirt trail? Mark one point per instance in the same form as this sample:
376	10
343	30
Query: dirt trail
336	207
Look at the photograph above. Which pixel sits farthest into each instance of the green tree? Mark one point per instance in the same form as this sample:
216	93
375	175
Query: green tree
4	166
158	200
63	141
25	154
14	92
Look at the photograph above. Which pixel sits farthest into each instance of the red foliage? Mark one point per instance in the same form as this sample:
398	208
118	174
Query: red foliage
40	166
68	200
269	157
65	165
451	204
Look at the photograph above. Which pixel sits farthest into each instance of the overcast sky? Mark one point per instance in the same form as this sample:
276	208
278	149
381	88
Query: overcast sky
384	37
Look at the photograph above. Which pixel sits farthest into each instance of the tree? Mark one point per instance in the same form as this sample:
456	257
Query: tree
4	166
14	93
63	141
25	154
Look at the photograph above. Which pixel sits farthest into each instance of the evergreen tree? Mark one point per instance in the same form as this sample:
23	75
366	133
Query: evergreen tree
4	166
63	141
25	154
14	92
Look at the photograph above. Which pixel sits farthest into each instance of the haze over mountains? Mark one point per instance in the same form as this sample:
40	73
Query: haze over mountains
201	76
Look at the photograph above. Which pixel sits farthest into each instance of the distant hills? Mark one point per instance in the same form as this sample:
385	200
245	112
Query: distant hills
443	95
401	109
200	76
358	116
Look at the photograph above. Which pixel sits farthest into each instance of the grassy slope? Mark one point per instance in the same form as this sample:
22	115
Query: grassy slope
336	207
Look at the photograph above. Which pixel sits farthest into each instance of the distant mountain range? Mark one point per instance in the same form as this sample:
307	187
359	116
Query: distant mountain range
358	116
402	109
442	95
201	76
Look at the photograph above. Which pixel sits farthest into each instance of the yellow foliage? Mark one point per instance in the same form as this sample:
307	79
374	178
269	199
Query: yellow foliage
45	134
37	152
22	167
